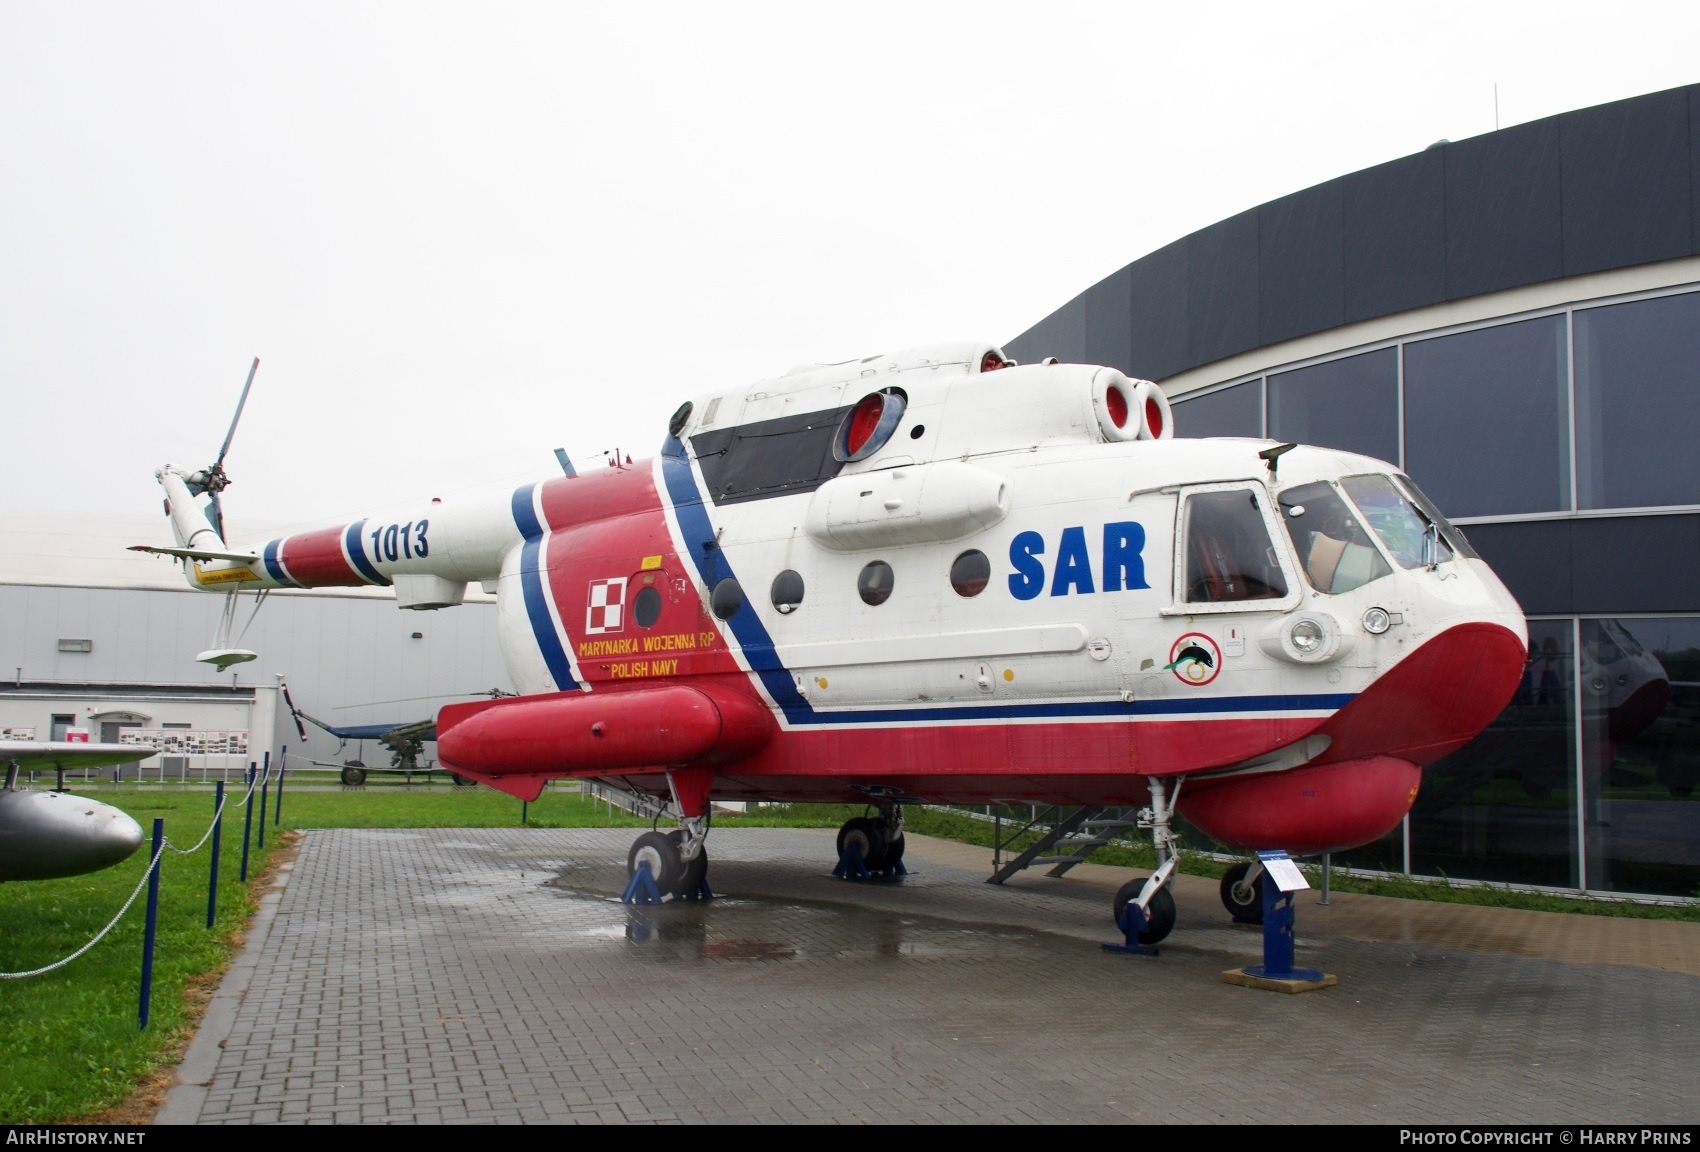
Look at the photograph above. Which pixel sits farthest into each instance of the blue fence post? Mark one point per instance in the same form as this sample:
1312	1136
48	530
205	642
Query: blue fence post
247	821
282	764
153	922
218	827
265	790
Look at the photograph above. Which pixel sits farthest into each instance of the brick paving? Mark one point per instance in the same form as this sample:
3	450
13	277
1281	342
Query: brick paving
450	976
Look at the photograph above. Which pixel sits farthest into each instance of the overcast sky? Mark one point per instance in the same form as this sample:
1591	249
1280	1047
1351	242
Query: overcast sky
459	236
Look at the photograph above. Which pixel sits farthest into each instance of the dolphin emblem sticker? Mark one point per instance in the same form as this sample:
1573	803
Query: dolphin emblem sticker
1195	659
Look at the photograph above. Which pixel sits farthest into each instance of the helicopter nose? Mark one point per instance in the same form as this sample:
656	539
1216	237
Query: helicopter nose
1435	700
51	834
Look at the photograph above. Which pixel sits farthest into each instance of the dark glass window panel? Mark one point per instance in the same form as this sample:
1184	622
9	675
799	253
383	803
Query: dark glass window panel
1641	755
1236	411
787	591
646	608
1637	423
1503	807
1350	404
1228	553
970	573
874	583
726	598
1487	419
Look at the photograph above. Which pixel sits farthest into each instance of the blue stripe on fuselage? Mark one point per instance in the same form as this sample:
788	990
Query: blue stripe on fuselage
274	565
357	554
531	584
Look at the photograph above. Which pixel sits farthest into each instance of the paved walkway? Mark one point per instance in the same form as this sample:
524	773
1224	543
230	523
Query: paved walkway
488	975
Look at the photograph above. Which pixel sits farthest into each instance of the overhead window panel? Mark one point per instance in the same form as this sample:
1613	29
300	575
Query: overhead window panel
1350	404
1236	411
1637	421
1487	419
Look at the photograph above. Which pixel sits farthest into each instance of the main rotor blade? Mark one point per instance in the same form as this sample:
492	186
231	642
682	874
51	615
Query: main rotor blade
230	435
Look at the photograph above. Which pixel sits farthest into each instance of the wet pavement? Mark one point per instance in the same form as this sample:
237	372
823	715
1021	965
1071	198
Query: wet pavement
492	976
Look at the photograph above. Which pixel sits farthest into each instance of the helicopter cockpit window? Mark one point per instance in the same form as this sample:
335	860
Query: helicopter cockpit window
1414	540
1229	555
1453	536
1334	549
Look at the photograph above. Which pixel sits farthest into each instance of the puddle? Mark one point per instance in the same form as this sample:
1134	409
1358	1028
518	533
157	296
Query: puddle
754	929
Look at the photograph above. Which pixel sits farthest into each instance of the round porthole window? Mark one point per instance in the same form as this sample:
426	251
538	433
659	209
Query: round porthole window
787	592
726	599
970	573
875	583
646	608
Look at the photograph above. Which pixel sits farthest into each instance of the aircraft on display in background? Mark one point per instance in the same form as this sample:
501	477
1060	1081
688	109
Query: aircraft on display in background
47	835
938	576
405	743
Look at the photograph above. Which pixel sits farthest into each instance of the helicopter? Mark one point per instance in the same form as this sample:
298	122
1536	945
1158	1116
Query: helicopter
938	576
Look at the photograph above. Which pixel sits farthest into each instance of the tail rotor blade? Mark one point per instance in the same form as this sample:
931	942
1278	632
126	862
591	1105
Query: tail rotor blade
215	514
294	713
231	435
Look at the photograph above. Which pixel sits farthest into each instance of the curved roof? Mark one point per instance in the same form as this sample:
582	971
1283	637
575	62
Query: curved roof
1606	187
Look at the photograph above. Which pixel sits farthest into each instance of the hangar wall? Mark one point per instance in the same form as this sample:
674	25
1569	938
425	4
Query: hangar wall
348	660
1515	321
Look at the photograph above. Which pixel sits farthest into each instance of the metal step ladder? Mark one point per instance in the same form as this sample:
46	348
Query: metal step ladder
1073	835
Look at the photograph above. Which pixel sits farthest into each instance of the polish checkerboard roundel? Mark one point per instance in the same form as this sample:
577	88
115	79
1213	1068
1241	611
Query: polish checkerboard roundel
606	611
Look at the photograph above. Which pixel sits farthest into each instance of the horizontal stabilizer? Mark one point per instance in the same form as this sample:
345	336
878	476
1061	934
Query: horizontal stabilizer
197	554
31	755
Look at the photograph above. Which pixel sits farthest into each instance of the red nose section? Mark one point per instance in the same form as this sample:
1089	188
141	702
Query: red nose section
1316	808
1434	701
569	733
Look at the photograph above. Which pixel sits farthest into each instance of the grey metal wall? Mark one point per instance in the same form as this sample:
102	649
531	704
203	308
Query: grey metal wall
335	651
1606	187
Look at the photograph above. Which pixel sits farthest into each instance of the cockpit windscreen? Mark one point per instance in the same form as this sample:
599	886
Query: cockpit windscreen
1393	518
1334	550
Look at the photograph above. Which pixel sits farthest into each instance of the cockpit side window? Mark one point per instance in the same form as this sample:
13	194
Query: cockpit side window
1334	550
1229	555
1393	518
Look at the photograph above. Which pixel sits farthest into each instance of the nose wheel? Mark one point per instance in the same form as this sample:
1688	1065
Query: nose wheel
1242	892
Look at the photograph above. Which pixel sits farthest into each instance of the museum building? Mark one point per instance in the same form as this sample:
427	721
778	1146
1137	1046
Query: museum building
1514	319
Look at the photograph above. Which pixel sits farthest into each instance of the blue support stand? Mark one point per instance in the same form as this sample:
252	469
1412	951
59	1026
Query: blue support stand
1278	973
1132	923
642	889
851	866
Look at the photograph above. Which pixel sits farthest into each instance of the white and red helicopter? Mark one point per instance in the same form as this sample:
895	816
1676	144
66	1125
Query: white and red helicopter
938	576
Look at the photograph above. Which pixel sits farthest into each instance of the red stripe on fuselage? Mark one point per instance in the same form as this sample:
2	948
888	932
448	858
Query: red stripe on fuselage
315	560
603	527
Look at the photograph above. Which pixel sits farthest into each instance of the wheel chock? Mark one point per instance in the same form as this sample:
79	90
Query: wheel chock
1132	923
851	866
642	889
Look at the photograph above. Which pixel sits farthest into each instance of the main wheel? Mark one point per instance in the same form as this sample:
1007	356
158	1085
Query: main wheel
354	774
1243	901
661	853
1159	914
868	838
463	781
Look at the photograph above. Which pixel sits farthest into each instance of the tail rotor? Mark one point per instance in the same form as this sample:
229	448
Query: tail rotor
213	479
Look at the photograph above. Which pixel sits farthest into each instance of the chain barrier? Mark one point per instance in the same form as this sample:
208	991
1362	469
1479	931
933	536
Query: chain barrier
140	884
255	781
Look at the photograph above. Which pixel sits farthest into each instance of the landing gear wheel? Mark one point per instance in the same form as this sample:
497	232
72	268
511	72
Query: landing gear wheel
354	774
1245	907
463	781
661	853
1159	915
868	837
